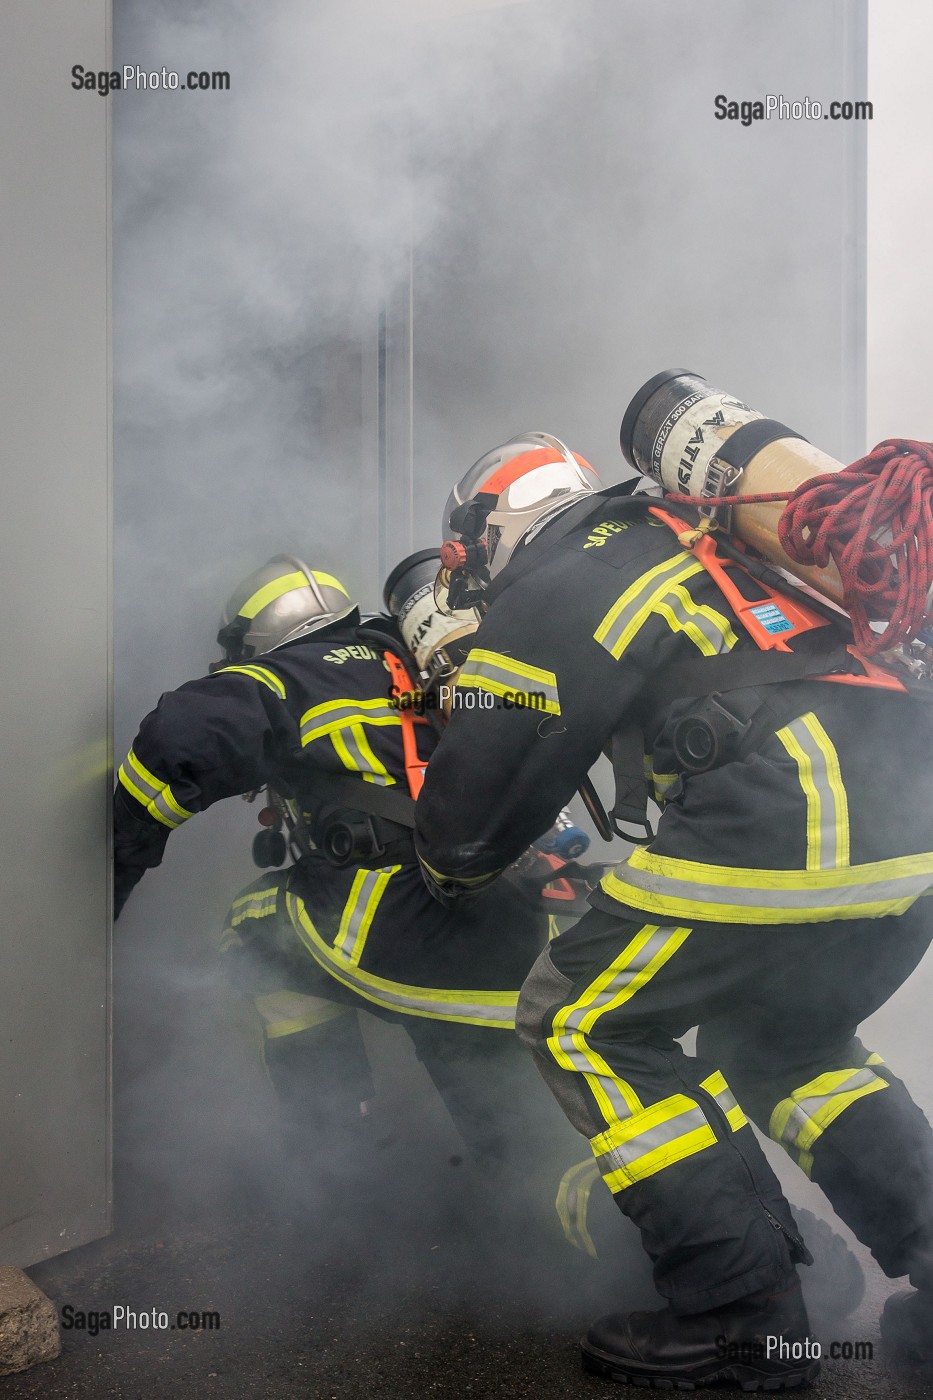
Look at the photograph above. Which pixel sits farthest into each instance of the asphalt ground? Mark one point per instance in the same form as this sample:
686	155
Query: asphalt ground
389	1272
314	1306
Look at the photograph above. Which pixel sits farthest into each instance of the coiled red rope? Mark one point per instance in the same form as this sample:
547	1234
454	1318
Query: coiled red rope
874	520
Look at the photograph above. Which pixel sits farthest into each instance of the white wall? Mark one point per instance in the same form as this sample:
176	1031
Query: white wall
55	678
900	191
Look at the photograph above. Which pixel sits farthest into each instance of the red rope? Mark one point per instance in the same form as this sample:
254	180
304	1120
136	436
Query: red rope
874	519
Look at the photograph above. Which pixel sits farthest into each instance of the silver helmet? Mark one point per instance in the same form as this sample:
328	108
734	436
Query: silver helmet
280	602
512	490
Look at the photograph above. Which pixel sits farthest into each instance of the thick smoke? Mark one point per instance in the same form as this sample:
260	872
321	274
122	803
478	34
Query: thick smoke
545	187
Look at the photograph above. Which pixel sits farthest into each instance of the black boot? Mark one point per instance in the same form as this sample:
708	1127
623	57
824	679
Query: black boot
762	1342
907	1326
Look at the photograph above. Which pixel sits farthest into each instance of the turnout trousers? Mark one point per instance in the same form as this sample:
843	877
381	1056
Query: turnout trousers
285	948
777	1009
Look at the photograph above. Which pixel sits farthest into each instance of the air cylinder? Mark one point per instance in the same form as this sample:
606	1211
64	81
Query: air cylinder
436	640
699	441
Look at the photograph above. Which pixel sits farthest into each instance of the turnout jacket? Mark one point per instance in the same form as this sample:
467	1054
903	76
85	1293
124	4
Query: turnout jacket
827	815
323	705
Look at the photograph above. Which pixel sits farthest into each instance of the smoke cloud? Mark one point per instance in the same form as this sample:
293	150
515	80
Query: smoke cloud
542	194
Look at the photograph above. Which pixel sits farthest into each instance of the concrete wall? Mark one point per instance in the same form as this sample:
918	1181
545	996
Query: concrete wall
55	680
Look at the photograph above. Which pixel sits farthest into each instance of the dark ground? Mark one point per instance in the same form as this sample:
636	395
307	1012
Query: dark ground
311	1310
395	1274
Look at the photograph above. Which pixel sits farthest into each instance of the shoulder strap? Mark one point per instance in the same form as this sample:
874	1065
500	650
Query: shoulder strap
414	767
738	670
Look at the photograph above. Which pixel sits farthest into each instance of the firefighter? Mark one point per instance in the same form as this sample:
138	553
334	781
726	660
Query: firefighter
775	907
303	701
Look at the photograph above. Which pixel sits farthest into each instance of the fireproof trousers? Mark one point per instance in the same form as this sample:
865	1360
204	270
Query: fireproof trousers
777	1009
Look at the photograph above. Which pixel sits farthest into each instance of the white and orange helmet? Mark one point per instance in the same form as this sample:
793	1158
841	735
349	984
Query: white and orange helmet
508	495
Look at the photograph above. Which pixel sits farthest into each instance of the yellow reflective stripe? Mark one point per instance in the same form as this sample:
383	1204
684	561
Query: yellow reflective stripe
678	889
154	784
650	1141
328	581
261	905
716	1085
372	768
372	904
505	676
805	772
440	879
709	631
572	1204
153	794
354	752
661	782
285	583
810	746
257	673
289	1013
833	776
367	889
639	960
126	781
351	707
798	1121
253	895
336	715
168	797
874	1059
474	1008
630	612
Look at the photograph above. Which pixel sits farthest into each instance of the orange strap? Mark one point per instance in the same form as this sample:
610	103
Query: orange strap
414	766
798	615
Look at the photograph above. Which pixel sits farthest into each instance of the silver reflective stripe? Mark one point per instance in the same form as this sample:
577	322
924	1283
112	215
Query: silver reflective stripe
620	1158
598	1003
819	775
314	725
256	906
131	776
500	673
260	674
653	587
702	623
360	906
807	1109
362	763
413	999
872	892
726	1100
171	816
132	772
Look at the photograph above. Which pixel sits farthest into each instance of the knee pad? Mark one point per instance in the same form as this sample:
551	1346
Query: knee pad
543	989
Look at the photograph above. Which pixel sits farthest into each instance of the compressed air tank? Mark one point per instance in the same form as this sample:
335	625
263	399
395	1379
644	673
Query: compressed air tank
435	639
699	441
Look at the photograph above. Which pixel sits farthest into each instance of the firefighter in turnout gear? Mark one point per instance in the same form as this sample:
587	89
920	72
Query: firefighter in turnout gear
775	908
304	703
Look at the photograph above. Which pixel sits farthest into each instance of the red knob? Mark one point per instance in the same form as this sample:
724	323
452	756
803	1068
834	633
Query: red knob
268	816
453	554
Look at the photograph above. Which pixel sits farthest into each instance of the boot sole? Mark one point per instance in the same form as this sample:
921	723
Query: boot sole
614	1368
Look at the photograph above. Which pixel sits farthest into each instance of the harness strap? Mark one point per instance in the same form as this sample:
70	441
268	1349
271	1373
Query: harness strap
414	767
392	806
